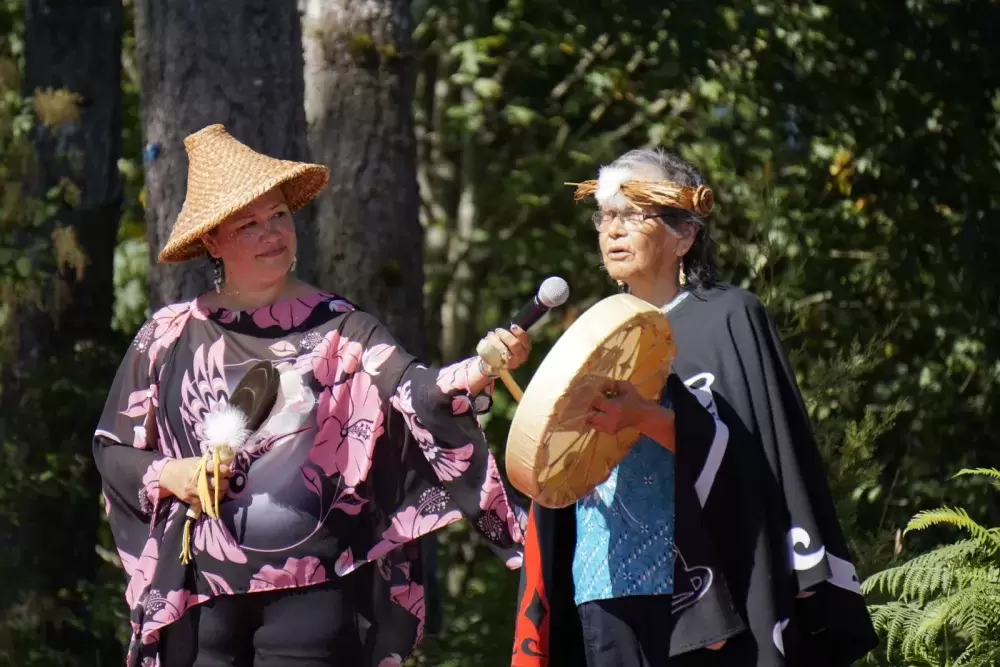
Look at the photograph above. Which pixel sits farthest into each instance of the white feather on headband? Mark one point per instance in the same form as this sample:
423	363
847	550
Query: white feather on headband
609	188
226	426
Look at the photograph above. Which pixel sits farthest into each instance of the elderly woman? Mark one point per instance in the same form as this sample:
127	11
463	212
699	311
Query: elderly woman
752	568
310	558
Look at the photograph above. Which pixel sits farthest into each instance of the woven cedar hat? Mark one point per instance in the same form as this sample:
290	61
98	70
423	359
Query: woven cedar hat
225	176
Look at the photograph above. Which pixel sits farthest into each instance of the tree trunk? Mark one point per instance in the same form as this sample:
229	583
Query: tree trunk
75	45
73	69
359	78
235	62
359	95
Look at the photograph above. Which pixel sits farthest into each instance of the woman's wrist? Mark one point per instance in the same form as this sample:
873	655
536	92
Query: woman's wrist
484	370
657	423
479	375
168	477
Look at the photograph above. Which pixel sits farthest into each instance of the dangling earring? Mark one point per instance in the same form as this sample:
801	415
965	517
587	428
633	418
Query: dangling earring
218	274
682	278
295	261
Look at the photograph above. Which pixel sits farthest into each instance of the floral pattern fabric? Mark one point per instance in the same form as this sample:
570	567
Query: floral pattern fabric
365	451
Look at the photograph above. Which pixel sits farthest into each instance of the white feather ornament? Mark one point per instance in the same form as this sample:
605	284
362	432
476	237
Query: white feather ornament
609	188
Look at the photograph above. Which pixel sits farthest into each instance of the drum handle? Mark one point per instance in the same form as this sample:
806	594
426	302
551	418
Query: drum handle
511	384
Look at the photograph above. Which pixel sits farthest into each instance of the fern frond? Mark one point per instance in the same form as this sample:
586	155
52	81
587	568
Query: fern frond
965	615
938	615
975	609
946	609
936	572
912	583
923	640
957	517
895	621
979	655
992	473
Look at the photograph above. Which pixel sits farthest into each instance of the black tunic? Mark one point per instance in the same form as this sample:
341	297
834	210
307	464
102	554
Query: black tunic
760	550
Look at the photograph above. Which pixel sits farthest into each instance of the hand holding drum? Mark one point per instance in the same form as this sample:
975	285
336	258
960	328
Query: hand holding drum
619	406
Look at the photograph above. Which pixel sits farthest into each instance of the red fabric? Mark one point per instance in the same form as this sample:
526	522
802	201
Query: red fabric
531	639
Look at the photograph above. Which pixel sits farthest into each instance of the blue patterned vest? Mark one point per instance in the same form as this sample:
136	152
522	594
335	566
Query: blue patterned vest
625	526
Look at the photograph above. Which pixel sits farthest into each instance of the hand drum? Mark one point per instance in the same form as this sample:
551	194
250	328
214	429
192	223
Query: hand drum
552	457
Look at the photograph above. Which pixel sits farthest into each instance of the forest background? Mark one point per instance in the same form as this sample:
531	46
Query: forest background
854	149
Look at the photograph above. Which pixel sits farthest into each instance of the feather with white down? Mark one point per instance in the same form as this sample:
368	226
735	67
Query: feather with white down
609	188
226	426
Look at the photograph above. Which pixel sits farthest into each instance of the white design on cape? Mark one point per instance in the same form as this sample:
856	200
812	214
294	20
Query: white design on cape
700	387
843	575
808	560
697	580
779	641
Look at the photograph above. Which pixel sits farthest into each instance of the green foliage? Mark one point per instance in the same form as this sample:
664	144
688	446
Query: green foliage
32	250
854	174
47	492
19	213
132	254
946	603
131	282
47	480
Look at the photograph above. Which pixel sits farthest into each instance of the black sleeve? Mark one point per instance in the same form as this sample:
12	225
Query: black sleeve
834	626
772	407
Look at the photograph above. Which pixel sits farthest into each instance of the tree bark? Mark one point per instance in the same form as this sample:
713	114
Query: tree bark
359	74
76	45
72	46
235	62
359	95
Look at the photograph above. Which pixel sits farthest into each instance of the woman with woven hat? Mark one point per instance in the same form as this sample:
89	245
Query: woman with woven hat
269	454
750	567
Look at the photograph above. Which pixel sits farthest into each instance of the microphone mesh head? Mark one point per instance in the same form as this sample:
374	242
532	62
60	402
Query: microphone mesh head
553	292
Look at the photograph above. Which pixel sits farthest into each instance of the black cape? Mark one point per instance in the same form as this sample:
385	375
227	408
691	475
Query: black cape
761	559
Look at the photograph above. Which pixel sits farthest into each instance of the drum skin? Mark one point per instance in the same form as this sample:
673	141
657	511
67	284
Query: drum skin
552	457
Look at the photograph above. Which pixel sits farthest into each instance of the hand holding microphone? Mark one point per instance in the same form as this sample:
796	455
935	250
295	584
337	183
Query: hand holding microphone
514	346
501	351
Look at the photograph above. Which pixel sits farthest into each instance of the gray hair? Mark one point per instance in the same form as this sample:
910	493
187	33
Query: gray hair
666	166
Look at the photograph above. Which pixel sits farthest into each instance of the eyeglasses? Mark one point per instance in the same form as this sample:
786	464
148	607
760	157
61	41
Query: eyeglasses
631	221
250	233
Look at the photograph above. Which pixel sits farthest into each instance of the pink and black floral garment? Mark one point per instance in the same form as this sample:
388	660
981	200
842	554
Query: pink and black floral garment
365	451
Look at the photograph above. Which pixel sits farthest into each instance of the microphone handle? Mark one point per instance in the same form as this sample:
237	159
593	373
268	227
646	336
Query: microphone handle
530	314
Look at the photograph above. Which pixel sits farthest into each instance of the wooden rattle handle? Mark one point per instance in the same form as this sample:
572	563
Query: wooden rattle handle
511	384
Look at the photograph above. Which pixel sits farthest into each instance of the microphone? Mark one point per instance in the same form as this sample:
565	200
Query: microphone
552	293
